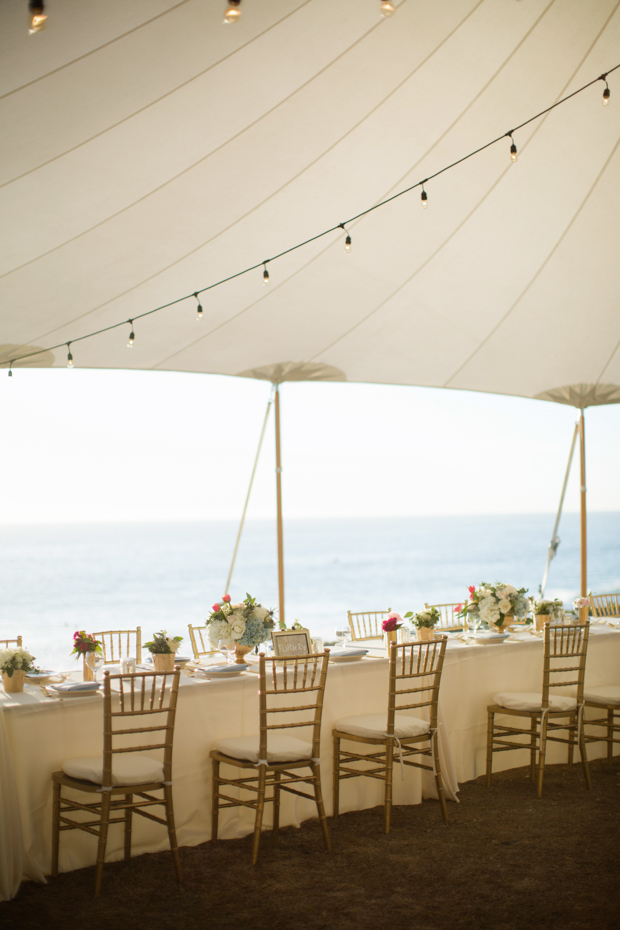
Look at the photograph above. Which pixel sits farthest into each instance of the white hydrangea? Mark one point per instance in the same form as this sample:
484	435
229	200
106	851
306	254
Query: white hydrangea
16	658
220	632
261	613
505	590
490	614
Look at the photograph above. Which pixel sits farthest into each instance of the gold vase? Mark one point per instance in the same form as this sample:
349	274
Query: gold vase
426	634
389	637
240	652
540	620
15	683
509	619
87	672
163	661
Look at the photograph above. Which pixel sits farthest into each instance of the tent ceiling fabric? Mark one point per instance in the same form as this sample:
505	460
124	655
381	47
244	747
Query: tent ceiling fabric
148	151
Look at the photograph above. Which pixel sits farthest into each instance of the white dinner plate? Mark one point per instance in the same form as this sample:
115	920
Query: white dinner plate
347	656
72	694
491	638
41	676
221	671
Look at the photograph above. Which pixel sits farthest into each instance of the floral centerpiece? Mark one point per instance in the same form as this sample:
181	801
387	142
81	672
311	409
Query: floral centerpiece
83	645
425	622
239	627
496	605
581	606
14	663
390	625
547	610
163	648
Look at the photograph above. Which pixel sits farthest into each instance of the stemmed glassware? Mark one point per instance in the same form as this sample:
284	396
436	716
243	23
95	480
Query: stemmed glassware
473	622
343	634
94	662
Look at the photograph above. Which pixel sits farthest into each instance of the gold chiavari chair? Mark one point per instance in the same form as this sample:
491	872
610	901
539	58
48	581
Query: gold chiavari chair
565	654
414	680
9	643
605	605
199	637
273	754
449	619
605	699
367	624
123	773
120	644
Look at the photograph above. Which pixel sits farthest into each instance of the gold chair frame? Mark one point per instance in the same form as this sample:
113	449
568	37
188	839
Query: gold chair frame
202	634
366	624
418	663
605	605
563	643
449	620
113	641
301	675
611	723
8	643
144	694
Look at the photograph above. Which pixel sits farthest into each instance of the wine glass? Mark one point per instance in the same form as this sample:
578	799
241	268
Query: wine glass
94	662
343	634
473	622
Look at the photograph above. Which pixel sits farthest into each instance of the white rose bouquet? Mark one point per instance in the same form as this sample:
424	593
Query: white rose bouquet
243	624
494	603
16	660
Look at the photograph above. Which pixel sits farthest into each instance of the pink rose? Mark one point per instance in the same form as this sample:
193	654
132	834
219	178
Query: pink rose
226	598
391	623
216	608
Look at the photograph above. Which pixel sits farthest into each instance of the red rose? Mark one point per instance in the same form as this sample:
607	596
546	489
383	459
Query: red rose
216	608
390	625
226	598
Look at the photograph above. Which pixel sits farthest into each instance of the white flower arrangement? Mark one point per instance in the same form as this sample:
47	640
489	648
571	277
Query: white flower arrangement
15	660
549	608
580	602
425	619
245	624
493	603
162	644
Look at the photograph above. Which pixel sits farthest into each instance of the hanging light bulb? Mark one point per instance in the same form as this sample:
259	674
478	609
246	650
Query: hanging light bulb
606	93
10	369
69	356
198	308
387	9
36	16
424	198
233	13
347	241
513	148
265	275
132	338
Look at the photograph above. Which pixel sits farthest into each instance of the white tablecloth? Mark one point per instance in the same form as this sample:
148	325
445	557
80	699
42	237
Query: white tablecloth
37	736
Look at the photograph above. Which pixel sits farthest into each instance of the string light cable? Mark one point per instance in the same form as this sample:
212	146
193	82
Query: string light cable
347	241
331	229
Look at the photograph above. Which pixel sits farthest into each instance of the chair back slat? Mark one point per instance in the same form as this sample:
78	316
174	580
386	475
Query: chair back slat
120	644
367	624
420	665
11	643
562	642
449	619
139	695
300	675
201	644
605	605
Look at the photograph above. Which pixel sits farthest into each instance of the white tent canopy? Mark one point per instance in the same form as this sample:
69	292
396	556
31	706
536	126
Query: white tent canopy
148	151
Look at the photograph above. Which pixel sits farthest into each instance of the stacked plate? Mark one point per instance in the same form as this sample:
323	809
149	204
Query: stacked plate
347	655
40	677
221	671
487	638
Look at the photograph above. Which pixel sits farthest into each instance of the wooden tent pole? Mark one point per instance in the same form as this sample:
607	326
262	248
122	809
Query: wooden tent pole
279	506
555	540
583	613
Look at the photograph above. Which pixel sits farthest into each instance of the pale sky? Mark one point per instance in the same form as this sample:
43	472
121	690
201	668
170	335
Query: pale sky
132	446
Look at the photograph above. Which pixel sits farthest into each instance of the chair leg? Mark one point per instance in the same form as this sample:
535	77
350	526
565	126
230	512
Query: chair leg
172	833
571	743
610	735
336	779
318	794
55	829
584	757
533	755
260	807
541	754
490	725
389	770
103	839
438	779
215	804
128	818
276	802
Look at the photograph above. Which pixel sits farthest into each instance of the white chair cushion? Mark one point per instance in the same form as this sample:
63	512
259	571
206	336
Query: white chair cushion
532	700
374	726
127	769
280	748
603	694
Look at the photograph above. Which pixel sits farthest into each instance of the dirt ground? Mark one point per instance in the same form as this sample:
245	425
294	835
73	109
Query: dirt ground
505	861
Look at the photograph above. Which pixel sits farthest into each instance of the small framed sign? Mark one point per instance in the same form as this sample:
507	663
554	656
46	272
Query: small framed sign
287	644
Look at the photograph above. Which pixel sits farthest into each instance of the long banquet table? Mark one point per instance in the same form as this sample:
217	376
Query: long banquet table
38	733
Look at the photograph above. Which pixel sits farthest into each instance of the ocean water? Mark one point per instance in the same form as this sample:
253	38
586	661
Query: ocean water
55	579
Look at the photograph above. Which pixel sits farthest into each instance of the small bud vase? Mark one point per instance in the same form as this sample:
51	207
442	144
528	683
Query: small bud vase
389	637
15	683
163	661
87	672
540	620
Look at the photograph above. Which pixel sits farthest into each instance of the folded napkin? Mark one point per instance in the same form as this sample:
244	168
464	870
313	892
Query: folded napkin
78	686
223	669
348	652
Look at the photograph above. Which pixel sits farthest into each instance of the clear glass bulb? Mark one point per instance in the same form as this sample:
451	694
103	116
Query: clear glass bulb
606	96
232	15
69	361
265	278
37	23
130	341
199	312
513	152
387	9
424	199
347	244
